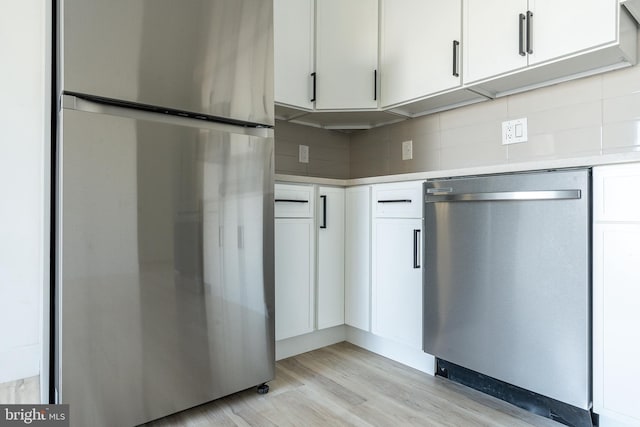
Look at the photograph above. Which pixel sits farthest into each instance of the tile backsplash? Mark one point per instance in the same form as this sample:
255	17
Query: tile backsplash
586	117
328	151
590	116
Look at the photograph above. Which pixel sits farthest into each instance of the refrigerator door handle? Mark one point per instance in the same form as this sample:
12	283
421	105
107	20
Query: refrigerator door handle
506	196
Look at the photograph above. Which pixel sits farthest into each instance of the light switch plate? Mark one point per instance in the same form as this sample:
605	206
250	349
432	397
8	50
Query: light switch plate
303	153
514	131
407	150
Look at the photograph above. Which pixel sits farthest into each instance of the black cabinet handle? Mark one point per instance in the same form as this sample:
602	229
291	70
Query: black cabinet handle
324	211
521	24
395	201
456	44
529	32
375	85
291	201
313	76
416	248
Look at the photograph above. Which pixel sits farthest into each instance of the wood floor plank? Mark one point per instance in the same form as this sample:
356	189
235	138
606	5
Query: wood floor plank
317	376
344	385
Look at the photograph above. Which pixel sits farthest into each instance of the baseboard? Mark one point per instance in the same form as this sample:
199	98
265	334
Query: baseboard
19	363
311	341
393	350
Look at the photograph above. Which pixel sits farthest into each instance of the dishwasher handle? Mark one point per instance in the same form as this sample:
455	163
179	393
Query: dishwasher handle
505	196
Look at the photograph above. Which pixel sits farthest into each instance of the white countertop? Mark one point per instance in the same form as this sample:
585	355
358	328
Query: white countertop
606	159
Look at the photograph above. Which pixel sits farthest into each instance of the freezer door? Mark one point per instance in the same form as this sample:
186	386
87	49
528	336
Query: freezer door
164	266
213	57
507	288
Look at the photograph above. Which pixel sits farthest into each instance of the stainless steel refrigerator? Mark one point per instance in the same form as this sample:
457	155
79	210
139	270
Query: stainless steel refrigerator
163	282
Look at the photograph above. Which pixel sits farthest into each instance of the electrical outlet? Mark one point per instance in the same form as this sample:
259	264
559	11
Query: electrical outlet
514	131
407	150
303	153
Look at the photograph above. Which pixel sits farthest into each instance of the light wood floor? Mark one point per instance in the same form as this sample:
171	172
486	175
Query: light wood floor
344	385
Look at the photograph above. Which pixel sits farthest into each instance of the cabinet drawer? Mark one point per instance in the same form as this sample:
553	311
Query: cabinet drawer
293	201
398	200
615	190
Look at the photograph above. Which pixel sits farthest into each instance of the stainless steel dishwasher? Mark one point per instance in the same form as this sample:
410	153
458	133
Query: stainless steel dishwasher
507	289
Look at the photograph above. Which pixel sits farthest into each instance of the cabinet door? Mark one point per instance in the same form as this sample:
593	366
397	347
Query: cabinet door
357	257
346	54
417	48
330	224
616	339
397	280
491	37
293	30
564	27
294	260
614	189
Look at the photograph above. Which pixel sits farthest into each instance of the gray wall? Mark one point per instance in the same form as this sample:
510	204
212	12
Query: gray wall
328	151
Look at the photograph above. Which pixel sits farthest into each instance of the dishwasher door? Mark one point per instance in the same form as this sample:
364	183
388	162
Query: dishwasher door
507	288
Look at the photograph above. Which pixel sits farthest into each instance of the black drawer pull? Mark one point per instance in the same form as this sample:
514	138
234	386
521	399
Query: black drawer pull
395	201
291	201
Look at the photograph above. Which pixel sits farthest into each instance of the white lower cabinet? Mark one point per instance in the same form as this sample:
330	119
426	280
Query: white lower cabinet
330	225
396	263
294	261
309	258
616	295
348	266
397	280
294	255
357	293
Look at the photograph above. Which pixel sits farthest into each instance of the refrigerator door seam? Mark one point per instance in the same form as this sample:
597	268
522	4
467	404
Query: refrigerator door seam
71	102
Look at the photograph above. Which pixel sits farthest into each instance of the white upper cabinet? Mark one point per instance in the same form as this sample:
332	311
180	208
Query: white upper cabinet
420	48
560	28
377	61
491	29
346	54
533	43
293	33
